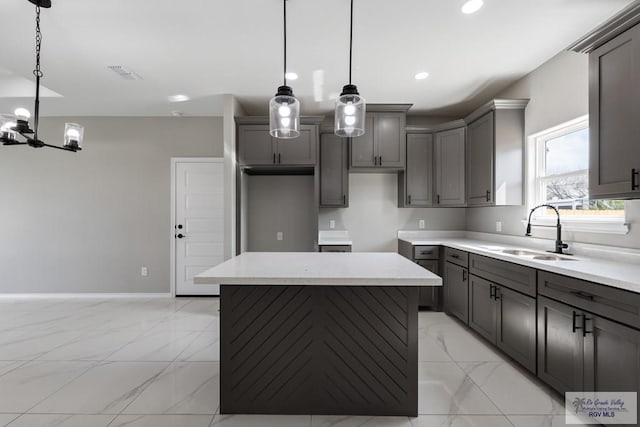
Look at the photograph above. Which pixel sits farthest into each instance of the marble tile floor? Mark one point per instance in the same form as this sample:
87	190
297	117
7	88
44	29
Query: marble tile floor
154	362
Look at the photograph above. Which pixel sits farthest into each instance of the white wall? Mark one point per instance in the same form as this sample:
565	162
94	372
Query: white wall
87	222
373	217
558	91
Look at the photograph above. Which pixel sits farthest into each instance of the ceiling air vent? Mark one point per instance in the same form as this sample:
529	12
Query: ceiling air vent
124	72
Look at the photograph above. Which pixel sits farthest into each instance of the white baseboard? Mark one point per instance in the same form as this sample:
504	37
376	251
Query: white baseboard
86	295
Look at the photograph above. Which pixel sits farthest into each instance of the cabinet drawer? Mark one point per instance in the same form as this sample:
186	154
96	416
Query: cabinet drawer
335	248
514	276
615	304
456	256
426	252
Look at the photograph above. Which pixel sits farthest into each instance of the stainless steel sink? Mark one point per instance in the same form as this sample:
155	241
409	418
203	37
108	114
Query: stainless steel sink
552	258
519	252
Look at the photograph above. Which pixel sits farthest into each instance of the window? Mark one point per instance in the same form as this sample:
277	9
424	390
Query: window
561	178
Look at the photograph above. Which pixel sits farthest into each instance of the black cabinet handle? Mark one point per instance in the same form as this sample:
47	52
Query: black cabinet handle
456	256
583	295
426	252
438	199
409	199
584	325
574	327
279	158
274	158
634	175
488	196
464	275
491	291
496	293
380	161
344	199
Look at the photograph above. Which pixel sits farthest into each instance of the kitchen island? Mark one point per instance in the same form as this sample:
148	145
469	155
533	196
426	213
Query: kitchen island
319	333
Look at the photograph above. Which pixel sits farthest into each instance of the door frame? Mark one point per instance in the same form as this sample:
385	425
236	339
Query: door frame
172	238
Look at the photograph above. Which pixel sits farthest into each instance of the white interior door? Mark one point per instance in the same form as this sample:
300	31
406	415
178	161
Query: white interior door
199	222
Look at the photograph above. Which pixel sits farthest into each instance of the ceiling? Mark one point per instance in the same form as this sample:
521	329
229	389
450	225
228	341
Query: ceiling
206	48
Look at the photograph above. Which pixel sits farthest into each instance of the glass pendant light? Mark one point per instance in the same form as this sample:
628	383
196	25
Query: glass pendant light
284	108
350	106
12	126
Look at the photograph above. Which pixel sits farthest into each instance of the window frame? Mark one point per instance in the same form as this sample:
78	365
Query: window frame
536	175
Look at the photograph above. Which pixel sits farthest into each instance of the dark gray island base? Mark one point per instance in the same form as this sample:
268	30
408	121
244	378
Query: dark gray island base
339	350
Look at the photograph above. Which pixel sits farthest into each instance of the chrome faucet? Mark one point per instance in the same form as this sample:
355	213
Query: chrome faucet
559	245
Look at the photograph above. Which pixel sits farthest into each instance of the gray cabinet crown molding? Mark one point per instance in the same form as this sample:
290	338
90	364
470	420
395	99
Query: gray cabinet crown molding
615	26
262	120
497	104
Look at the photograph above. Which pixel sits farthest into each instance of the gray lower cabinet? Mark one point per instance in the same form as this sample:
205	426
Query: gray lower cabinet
416	182
450	167
334	173
560	350
429	296
456	291
257	148
579	350
383	144
504	317
614	108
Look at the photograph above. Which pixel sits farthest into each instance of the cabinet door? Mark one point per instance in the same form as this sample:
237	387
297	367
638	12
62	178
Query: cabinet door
560	349
614	108
516	321
612	356
456	291
419	172
450	167
300	150
482	307
480	153
429	296
334	177
390	139
363	148
255	145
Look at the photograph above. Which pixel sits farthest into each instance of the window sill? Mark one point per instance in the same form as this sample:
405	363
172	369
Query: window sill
585	225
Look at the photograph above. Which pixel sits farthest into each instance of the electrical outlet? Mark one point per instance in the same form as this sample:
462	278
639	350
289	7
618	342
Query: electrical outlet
279	235
144	272
421	224
332	224
499	226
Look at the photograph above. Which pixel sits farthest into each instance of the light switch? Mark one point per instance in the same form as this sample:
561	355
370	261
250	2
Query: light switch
421	224
498	226
332	224
144	272
279	235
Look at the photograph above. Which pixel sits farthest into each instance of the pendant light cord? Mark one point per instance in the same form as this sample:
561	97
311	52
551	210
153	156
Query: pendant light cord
285	42
38	73
350	41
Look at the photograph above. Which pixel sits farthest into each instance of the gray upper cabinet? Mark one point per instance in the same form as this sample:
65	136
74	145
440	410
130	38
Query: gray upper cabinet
334	176
495	153
257	148
614	109
450	167
383	144
416	182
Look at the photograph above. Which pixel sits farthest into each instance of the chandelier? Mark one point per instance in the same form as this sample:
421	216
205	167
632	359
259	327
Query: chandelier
15	128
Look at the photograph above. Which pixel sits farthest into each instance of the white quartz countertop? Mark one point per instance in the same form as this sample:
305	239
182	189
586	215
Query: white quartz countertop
334	238
622	275
319	268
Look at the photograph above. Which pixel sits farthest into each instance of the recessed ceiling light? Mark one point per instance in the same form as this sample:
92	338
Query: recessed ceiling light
291	76
472	6
178	98
421	76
